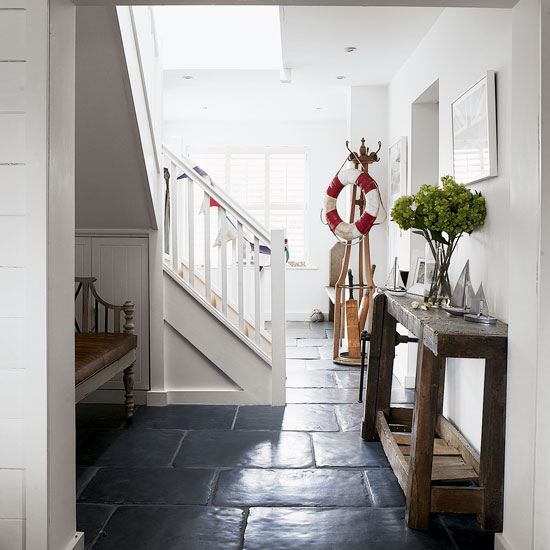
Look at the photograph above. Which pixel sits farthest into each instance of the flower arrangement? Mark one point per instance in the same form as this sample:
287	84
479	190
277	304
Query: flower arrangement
441	214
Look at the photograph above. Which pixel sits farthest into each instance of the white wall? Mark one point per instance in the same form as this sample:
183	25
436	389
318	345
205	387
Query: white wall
37	472
326	143
367	117
457	62
111	171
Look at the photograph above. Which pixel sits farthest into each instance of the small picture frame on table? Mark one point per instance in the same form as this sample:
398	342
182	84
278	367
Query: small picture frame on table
421	277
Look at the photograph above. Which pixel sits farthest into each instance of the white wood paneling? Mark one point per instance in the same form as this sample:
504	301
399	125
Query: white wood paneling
12	248
11	495
12	292
11	393
83	257
12	190
7	4
12	35
11	450
12	534
12	344
12	138
12	86
121	268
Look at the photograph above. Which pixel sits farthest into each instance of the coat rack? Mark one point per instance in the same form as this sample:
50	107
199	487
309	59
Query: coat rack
366	270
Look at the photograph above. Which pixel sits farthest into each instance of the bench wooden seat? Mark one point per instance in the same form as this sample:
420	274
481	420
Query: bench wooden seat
99	356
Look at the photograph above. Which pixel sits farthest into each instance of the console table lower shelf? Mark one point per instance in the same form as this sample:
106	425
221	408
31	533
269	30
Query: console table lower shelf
454	460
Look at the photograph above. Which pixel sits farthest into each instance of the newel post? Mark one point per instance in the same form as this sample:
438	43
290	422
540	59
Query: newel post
278	317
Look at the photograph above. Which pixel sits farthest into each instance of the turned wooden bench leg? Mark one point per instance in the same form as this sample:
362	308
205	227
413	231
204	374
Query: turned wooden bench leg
491	468
428	378
129	392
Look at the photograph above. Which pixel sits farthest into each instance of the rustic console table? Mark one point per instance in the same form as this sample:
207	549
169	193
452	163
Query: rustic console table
438	470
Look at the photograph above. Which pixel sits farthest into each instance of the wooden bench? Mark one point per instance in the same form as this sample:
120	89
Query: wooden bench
99	354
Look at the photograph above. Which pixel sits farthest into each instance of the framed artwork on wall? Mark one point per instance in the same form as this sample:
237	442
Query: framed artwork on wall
398	168
474	124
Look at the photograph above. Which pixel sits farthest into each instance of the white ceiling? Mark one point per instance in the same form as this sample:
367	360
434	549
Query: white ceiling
313	46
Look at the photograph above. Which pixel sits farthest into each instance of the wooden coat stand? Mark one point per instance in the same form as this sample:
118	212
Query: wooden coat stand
366	270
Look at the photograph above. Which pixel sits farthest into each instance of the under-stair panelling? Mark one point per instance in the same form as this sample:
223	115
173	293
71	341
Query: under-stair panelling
247	369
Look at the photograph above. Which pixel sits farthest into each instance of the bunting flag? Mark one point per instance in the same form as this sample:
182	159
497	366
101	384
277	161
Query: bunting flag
204	174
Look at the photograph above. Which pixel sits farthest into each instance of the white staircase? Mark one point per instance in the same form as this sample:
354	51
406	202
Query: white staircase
208	342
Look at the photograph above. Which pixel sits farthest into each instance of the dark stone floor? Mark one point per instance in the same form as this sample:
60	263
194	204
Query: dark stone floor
299	477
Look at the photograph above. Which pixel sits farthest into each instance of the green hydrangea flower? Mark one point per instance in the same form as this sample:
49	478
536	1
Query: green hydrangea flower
451	208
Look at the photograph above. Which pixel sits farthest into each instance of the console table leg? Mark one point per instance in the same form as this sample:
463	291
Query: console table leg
428	377
491	468
368	426
387	356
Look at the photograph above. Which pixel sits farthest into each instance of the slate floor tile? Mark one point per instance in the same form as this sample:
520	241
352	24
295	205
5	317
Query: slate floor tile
350	416
401	395
302	353
303	378
129	448
347	450
305	333
348	379
327	325
320	395
149	486
248	449
173	528
83	476
384	488
290	488
90	519
295	363
99	416
313	342
327	364
314	418
325	352
186	417
291	342
340	528
467	533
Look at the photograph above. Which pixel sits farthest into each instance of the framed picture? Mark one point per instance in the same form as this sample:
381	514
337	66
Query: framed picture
398	167
422	275
474	122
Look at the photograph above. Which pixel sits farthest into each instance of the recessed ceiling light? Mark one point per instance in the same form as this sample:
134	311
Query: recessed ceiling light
204	108
350	49
318	108
340	77
187	77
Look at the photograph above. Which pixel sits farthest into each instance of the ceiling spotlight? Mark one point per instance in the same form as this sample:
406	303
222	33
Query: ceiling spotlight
318	108
187	77
204	108
341	77
350	49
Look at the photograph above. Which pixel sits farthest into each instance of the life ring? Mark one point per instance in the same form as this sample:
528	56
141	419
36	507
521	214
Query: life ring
350	231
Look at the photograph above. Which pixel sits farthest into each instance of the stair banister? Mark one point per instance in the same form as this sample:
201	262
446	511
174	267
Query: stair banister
219	196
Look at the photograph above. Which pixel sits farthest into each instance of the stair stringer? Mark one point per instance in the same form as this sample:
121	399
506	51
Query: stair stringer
247	368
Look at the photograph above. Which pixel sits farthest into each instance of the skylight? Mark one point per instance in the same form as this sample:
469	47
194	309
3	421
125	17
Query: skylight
220	37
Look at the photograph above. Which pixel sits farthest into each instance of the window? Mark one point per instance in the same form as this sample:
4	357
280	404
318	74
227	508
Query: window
271	183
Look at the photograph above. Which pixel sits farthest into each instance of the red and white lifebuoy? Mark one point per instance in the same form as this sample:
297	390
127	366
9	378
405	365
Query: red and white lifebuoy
350	231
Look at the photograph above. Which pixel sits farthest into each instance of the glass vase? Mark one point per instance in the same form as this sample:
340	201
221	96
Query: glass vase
437	288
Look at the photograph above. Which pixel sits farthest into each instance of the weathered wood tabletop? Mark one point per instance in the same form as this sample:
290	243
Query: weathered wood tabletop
448	335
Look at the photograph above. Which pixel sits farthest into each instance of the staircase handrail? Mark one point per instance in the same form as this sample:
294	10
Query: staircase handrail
220	196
